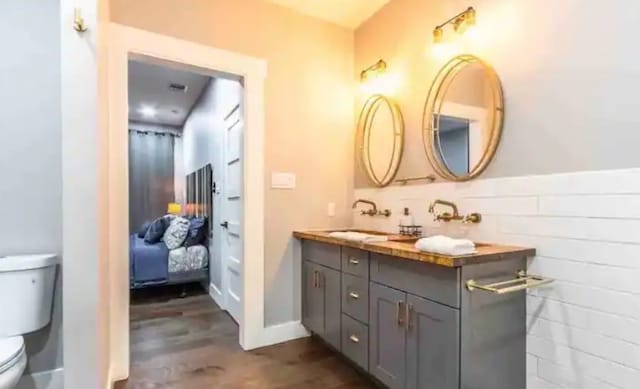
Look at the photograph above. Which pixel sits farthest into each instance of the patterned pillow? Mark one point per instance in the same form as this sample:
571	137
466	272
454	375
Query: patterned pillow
177	232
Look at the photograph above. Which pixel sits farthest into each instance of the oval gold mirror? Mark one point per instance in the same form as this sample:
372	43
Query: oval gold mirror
380	139
462	120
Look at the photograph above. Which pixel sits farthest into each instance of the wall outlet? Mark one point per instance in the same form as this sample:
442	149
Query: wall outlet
331	209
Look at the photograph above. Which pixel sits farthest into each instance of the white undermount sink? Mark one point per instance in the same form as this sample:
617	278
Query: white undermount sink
358	236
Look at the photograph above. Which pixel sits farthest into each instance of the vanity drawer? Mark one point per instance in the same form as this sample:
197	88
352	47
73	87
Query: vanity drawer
434	282
355	341
355	262
321	253
355	297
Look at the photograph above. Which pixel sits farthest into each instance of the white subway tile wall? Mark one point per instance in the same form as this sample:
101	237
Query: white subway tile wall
584	329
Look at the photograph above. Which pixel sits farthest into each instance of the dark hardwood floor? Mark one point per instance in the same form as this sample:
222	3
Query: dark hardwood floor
191	343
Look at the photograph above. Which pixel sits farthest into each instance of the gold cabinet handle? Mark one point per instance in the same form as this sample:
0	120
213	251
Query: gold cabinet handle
354	261
320	279
521	282
354	295
354	339
409	316
400	313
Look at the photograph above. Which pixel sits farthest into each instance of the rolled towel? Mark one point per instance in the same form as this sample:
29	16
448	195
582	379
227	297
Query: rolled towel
441	244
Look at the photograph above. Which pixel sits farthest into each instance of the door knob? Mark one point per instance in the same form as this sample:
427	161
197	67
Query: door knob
224	224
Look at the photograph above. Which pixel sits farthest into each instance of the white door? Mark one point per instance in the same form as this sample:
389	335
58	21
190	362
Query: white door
232	255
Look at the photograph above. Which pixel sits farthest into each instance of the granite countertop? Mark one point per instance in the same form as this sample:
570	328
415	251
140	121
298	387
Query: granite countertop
403	247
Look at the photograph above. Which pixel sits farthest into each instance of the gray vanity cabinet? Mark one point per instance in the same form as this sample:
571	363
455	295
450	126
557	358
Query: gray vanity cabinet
414	342
415	325
433	348
321	302
387	337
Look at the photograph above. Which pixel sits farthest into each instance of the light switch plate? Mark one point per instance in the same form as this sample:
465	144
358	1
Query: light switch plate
283	180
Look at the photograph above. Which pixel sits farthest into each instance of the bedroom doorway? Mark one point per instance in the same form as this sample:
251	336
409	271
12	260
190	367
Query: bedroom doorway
185	136
210	182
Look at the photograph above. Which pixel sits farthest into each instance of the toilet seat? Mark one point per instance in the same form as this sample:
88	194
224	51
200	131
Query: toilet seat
11	351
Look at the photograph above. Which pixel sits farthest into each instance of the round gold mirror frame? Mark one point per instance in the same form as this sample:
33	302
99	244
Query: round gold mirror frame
434	104
363	139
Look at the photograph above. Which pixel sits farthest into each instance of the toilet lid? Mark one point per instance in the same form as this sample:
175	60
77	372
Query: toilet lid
10	348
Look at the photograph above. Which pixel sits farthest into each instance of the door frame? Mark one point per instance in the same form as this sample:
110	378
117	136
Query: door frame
125	43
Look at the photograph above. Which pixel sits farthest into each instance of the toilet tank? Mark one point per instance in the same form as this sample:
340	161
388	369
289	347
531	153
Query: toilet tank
26	292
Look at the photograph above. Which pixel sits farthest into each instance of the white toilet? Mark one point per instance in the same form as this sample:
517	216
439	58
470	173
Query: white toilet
26	295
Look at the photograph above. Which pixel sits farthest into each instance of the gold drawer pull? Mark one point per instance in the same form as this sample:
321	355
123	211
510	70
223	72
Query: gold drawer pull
354	261
354	339
354	295
522	281
400	312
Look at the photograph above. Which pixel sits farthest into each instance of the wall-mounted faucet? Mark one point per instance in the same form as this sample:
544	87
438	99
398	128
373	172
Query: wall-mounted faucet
374	208
454	214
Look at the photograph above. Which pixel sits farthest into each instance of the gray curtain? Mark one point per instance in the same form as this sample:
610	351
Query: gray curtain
151	176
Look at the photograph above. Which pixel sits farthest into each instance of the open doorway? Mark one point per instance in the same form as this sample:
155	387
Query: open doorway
185	180
185	136
131	44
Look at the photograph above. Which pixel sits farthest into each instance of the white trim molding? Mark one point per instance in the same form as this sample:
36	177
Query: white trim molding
126	43
216	295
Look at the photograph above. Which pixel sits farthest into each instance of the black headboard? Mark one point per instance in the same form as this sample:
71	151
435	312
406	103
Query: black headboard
200	193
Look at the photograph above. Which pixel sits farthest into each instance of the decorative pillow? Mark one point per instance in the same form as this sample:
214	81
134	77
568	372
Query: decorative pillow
156	230
197	231
177	232
143	229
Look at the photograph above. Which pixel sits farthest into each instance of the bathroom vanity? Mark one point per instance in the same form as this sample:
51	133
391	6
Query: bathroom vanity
418	320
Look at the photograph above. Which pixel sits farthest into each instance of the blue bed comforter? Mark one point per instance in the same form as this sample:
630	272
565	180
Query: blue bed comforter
148	262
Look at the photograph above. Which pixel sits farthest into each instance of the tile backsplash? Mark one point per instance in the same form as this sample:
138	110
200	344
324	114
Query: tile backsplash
584	329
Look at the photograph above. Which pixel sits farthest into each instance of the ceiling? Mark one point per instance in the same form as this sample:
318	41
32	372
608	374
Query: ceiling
149	91
347	13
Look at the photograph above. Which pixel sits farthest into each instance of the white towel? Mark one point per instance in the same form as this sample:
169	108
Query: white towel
441	244
358	236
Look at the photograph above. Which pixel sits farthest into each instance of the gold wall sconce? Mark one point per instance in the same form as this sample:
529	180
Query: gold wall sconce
461	23
374	70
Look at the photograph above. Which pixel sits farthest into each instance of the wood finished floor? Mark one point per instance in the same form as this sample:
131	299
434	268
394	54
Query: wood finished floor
191	343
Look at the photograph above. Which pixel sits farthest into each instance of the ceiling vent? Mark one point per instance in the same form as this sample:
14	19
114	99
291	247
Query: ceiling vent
175	87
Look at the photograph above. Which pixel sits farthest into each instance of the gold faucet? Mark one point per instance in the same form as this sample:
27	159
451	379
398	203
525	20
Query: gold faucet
453	215
445	216
374	208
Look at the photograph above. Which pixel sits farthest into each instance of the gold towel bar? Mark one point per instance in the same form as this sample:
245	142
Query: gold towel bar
522	280
404	181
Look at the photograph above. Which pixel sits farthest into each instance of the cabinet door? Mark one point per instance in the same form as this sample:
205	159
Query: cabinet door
312	298
330	287
433	335
387	341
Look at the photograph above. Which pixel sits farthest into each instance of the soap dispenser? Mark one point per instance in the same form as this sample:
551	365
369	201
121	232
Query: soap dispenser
406	219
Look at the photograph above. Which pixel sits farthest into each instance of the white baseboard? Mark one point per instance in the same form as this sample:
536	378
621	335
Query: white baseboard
281	333
216	295
50	379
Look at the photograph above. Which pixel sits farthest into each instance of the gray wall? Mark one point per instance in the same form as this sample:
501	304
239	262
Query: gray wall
198	149
570	82
30	150
203	135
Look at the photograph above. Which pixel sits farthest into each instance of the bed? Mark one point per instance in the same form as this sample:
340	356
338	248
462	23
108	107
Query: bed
154	264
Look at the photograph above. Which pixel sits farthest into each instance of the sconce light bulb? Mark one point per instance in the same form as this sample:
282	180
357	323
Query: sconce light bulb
438	35
471	17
